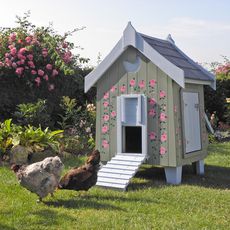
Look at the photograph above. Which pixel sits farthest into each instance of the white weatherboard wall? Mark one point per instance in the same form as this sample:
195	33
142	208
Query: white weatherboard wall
192	122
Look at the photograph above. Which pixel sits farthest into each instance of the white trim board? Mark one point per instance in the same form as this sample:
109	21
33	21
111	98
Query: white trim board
132	38
197	82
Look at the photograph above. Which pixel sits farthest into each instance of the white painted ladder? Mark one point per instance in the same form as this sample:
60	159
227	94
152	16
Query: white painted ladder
119	170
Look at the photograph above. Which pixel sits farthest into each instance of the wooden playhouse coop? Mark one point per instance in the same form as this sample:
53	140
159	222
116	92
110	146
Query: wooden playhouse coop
150	109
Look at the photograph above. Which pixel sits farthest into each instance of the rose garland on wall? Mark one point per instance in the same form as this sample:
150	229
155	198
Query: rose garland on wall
105	122
108	116
163	123
152	112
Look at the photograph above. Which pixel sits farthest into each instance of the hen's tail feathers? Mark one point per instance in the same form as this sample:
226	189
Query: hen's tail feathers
15	167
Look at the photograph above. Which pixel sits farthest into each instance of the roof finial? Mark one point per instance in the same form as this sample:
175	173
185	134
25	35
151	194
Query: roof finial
169	38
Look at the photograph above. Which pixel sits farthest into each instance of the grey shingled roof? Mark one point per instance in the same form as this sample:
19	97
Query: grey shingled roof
173	54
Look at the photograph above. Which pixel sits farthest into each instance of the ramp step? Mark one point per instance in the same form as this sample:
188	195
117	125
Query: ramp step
116	171
120	162
112	180
114	175
128	158
119	170
115	166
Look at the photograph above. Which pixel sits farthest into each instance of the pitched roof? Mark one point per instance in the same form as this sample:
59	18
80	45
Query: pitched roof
171	52
163	53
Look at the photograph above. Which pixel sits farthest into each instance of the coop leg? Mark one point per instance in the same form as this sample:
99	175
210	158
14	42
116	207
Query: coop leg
173	174
199	167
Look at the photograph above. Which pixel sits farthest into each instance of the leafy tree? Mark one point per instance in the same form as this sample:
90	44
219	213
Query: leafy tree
215	101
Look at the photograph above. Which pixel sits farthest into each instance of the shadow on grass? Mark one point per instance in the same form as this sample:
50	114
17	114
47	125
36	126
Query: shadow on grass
110	197
48	217
82	203
5	227
215	177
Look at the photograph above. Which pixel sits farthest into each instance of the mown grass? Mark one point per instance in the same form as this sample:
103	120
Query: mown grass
201	202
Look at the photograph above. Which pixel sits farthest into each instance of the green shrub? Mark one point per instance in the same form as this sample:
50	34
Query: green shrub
33	113
9	136
78	121
212	138
38	139
33	138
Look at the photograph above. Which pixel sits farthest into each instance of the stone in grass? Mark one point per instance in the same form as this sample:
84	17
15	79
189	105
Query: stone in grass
19	155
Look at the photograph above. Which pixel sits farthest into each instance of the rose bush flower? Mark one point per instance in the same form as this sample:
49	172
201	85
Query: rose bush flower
37	54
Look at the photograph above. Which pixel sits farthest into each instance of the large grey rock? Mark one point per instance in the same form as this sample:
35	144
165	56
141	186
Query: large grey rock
39	156
19	155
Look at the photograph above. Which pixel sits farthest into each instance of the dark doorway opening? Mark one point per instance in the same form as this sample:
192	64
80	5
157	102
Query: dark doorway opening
132	139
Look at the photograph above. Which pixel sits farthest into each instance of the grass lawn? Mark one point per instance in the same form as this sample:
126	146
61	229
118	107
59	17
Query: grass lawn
199	203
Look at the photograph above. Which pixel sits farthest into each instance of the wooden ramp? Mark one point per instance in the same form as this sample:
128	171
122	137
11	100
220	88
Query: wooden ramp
119	170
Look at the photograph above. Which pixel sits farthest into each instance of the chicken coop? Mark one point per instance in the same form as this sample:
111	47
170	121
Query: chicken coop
150	109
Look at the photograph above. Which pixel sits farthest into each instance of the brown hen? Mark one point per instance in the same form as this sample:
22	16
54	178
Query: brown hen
84	177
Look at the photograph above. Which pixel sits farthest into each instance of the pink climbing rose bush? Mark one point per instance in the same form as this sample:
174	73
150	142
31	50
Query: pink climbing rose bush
37	54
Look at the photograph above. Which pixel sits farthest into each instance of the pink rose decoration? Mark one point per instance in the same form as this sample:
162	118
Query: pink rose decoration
40	72
152	112
30	57
163	137
1	64
54	72
46	77
113	114
14	65
152	83
106	96
49	66
106	103
28	39
162	94
122	88
19	70
152	136
105	144
163	117
31	64
8	62
162	150
132	82
141	84
106	117
33	72
105	129
21	57
44	52
11	47
64	45
113	88
152	101
37	80
13	51
22	50
12	36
